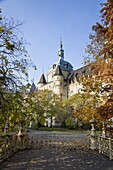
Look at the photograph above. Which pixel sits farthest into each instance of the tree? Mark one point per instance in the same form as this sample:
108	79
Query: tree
14	108
14	60
72	107
100	58
45	104
14	63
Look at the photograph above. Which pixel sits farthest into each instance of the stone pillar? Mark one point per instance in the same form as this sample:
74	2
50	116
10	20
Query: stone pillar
21	135
93	137
6	128
103	130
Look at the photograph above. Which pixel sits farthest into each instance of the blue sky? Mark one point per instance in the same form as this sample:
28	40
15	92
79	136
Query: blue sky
48	20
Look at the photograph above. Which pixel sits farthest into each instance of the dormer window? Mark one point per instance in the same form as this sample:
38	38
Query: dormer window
54	66
66	65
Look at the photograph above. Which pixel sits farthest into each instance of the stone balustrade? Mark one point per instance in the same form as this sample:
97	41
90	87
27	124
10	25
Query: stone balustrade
15	142
10	144
105	146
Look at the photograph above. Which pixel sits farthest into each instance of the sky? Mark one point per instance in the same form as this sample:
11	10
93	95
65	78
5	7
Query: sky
46	21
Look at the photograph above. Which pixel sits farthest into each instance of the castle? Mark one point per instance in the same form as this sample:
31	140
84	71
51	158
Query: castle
61	78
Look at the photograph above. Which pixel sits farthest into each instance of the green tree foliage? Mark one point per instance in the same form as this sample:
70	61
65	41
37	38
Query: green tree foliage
99	83
13	108
14	64
45	104
72	107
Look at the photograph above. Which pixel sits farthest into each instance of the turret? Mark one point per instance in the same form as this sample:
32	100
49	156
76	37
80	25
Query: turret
33	88
58	79
41	82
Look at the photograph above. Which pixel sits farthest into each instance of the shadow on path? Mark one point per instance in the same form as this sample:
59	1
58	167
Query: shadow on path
54	159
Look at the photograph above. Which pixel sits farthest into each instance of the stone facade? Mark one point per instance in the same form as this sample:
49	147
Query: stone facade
61	78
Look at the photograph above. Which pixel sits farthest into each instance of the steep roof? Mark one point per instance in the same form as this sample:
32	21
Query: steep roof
58	71
33	87
70	77
76	74
42	79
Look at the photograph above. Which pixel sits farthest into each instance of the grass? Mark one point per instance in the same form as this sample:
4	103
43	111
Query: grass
53	129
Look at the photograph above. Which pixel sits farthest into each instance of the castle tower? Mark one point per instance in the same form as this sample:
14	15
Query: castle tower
42	82
58	80
33	88
57	76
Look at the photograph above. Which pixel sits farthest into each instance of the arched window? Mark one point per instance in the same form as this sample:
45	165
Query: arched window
71	92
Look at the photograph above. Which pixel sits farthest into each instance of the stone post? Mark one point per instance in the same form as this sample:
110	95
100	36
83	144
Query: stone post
21	135
93	137
103	130
6	128
110	149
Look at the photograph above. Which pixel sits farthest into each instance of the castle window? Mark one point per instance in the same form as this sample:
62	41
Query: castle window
79	90
54	65
66	65
83	72
71	92
76	75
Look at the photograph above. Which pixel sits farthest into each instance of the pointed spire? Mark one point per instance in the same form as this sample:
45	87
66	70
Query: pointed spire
61	51
58	71
33	87
61	43
42	79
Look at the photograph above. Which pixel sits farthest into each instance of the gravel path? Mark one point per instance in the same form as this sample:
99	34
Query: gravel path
51	158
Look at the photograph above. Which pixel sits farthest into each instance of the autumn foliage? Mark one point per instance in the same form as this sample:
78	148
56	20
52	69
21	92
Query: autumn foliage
100	58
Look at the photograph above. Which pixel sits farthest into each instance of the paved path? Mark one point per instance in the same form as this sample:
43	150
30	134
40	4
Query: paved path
68	135
57	159
51	159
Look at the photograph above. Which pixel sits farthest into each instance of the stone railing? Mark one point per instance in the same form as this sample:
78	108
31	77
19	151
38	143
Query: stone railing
12	143
57	141
105	146
9	144
103	142
7	147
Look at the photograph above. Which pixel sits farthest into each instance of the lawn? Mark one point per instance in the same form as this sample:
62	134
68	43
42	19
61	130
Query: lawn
53	129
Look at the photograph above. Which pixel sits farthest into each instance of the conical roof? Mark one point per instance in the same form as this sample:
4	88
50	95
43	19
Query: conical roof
58	71
42	79
33	87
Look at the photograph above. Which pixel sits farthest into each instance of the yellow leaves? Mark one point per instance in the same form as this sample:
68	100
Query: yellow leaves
10	71
7	42
1	29
9	32
9	46
26	74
